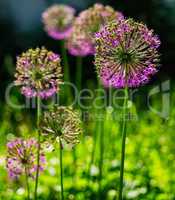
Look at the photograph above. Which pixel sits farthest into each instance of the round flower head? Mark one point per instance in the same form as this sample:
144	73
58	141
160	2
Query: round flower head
62	122
58	20
81	41
38	72
126	54
22	157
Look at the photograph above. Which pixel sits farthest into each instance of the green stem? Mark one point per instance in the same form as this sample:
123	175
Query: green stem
74	175
61	170
78	83
101	140
79	62
66	70
93	151
38	150
124	129
65	61
27	183
101	129
94	136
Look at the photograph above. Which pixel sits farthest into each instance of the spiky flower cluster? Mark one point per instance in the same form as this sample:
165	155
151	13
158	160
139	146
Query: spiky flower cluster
62	122
126	54
38	72
58	21
22	157
81	42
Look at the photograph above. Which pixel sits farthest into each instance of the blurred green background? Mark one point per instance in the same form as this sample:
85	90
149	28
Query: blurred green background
150	154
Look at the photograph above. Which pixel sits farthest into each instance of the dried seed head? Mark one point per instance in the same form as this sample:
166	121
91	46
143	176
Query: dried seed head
62	122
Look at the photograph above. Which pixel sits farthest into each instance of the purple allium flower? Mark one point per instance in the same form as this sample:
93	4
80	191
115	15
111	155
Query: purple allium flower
58	21
62	122
38	72
81	41
22	157
126	54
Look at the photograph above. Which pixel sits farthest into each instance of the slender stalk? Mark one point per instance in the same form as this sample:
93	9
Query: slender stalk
27	183
38	150
124	129
93	151
101	129
66	70
101	145
61	170
79	62
65	61
94	139
78	83
74	175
